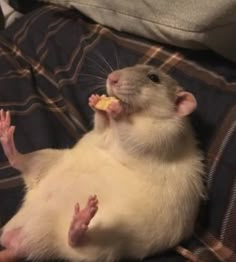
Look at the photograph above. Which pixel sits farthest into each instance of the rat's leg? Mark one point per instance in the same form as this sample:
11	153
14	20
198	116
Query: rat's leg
81	220
33	165
7	140
101	120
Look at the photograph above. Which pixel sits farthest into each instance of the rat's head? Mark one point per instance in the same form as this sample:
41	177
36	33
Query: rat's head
146	88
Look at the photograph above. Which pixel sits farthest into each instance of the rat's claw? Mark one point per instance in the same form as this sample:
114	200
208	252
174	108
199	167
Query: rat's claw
5	119
8	118
77	207
1	115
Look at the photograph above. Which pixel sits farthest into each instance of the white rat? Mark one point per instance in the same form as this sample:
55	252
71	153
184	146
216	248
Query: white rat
141	162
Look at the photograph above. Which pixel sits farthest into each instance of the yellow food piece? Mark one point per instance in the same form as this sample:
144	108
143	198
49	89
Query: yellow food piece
104	102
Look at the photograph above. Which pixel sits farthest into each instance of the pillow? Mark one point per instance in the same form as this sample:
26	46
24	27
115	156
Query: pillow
186	23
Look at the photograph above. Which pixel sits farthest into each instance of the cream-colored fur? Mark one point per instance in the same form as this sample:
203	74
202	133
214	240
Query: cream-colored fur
147	175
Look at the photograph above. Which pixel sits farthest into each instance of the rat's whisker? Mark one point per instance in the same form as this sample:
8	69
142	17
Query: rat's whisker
92	83
100	85
104	60
102	69
96	80
117	60
99	77
99	88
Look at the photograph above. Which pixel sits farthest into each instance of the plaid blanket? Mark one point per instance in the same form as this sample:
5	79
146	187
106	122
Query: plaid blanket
52	60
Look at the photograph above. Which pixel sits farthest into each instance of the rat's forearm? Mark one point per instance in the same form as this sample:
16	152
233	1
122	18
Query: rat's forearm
101	121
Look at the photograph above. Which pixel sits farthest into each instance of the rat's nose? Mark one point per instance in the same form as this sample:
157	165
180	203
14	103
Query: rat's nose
113	78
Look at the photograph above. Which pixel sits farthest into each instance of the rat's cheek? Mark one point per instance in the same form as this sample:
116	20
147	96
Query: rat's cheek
14	240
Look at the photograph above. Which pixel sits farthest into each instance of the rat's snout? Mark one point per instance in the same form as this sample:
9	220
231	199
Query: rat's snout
113	83
113	78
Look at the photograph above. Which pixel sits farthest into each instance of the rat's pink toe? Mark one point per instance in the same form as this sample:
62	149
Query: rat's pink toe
81	220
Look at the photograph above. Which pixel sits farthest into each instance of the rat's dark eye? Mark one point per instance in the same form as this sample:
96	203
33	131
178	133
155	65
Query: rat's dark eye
154	78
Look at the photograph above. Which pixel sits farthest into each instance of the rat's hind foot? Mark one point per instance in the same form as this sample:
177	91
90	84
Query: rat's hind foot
12	240
8	255
81	220
9	238
7	140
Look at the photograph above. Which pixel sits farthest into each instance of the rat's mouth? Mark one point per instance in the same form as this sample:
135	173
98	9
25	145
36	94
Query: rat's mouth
120	91
115	94
112	90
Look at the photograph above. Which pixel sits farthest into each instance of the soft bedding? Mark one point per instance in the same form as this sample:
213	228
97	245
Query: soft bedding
53	59
186	23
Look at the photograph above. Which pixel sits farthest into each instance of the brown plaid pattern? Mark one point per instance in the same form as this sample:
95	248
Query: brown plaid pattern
50	63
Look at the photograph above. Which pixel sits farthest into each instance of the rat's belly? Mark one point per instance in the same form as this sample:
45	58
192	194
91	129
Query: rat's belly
75	179
119	189
133	207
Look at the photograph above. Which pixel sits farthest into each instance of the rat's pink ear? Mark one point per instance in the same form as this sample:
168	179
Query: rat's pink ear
185	103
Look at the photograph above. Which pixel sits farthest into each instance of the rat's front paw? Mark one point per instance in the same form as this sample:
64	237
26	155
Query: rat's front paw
107	104
115	109
102	102
93	100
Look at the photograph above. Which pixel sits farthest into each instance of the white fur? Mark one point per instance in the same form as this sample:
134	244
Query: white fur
147	175
146	205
